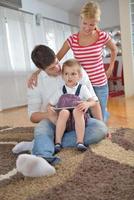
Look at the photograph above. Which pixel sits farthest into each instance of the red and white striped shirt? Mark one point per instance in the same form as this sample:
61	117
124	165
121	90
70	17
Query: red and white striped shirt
90	57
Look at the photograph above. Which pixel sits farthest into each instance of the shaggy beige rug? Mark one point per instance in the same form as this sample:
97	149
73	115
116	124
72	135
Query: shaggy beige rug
103	172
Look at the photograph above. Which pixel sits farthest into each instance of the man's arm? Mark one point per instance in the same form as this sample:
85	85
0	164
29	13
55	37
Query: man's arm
34	105
38	116
96	111
51	115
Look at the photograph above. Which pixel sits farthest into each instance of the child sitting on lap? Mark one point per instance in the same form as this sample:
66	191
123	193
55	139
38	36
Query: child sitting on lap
71	102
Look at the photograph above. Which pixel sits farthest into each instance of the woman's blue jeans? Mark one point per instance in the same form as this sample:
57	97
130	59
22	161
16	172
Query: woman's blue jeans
44	137
102	94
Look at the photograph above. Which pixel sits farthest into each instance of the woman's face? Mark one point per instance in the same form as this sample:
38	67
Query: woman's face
88	25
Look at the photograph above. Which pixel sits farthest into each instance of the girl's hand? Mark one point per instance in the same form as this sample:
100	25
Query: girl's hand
83	106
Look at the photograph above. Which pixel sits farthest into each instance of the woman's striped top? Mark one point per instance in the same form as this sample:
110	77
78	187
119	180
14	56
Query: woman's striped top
90	57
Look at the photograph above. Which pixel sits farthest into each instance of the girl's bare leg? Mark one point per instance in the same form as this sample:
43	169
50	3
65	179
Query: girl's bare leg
61	125
79	124
80	129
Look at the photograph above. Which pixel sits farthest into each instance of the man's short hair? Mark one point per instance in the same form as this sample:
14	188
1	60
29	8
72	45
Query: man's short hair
42	56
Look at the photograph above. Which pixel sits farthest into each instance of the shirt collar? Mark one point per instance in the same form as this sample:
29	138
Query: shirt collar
43	73
73	87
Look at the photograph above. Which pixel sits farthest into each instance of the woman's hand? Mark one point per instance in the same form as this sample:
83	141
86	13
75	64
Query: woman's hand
109	72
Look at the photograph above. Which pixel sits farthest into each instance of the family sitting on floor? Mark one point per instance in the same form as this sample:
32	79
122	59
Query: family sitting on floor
59	99
41	102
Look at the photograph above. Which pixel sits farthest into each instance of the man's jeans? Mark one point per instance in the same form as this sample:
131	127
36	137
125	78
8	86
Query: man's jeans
102	94
44	137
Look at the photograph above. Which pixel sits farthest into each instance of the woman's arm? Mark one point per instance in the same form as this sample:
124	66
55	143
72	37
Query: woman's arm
64	49
88	93
113	49
96	111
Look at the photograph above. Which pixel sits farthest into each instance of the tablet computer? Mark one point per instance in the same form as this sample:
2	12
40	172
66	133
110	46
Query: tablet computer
67	108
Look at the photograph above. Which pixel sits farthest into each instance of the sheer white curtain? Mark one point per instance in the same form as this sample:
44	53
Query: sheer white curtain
29	33
4	55
16	43
49	34
67	31
55	35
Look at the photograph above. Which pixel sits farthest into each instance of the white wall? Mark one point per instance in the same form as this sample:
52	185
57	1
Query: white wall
36	6
109	17
128	58
110	13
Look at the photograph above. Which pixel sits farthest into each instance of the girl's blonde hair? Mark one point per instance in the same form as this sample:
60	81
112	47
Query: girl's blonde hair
70	63
91	10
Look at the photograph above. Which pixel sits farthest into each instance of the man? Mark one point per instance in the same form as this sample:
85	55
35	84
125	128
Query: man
49	81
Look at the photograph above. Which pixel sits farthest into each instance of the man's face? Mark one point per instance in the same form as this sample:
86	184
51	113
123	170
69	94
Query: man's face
54	69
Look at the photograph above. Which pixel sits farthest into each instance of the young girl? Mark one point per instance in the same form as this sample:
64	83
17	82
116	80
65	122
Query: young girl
87	46
70	105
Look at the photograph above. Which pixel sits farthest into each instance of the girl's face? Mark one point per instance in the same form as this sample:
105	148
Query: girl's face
88	25
71	75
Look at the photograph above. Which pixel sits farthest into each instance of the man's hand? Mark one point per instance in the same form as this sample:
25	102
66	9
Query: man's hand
52	114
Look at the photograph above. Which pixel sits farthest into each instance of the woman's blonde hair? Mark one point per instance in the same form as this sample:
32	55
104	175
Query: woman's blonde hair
91	10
